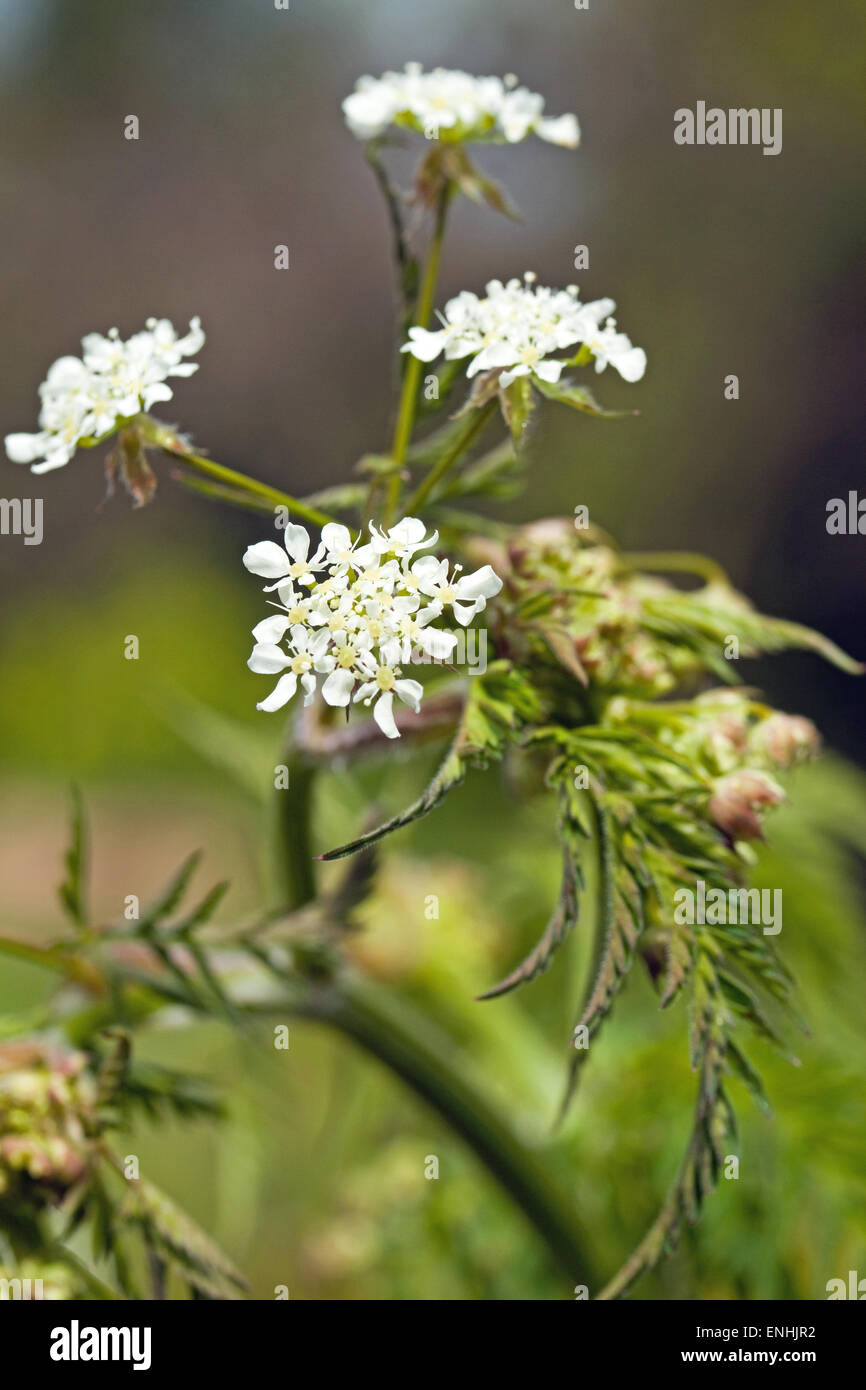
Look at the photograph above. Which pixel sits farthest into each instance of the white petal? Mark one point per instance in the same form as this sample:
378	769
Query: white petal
436	643
337	689
56	461
297	541
384	715
308	682
512	375
560	130
496	355
270	630
267	559
336	537
630	365
424	345
157	391
548	370
265	659
281	693
410	693
318	644
464	613
24	448
483	583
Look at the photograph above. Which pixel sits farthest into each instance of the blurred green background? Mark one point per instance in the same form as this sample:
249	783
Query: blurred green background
721	261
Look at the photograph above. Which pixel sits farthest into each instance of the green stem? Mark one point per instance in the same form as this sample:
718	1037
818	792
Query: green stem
428	1061
675	561
412	375
293	850
165	438
446	463
218	492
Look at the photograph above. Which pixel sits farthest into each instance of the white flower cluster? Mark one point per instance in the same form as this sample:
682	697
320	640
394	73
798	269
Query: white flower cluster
85	397
517	326
351	613
453	105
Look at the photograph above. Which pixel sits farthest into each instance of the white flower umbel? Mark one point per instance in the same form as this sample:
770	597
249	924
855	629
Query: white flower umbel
451	105
352	612
522	329
86	398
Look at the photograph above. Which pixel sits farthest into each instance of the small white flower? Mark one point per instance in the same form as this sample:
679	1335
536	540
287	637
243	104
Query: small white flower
268	560
306	655
467	594
520	329
616	349
351	613
85	399
447	104
383	683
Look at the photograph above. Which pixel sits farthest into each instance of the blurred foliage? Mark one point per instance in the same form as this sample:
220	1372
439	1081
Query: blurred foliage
316	1180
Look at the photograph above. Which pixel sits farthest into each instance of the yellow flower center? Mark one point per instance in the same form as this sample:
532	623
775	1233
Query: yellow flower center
385	678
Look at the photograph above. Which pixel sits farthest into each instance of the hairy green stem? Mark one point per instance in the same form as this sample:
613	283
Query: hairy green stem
218	492
411	1047
172	444
452	456
412	375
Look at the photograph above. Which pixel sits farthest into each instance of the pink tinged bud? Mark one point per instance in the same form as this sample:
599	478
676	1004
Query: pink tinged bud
788	738
736	800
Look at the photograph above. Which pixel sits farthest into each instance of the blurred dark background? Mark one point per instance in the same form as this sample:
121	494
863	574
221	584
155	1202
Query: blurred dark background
721	261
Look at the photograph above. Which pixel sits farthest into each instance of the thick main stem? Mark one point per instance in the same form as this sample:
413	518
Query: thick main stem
412	375
293	856
414	1050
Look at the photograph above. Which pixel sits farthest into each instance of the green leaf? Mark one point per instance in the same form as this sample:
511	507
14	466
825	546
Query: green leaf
450	774
561	645
743	1068
199	1260
72	889
170	897
203	913
496	704
579	398
497	473
565	913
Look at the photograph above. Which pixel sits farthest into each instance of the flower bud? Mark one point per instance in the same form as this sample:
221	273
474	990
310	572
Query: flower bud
736	800
788	738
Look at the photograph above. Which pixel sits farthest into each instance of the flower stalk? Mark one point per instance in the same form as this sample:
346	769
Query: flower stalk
412	375
452	456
